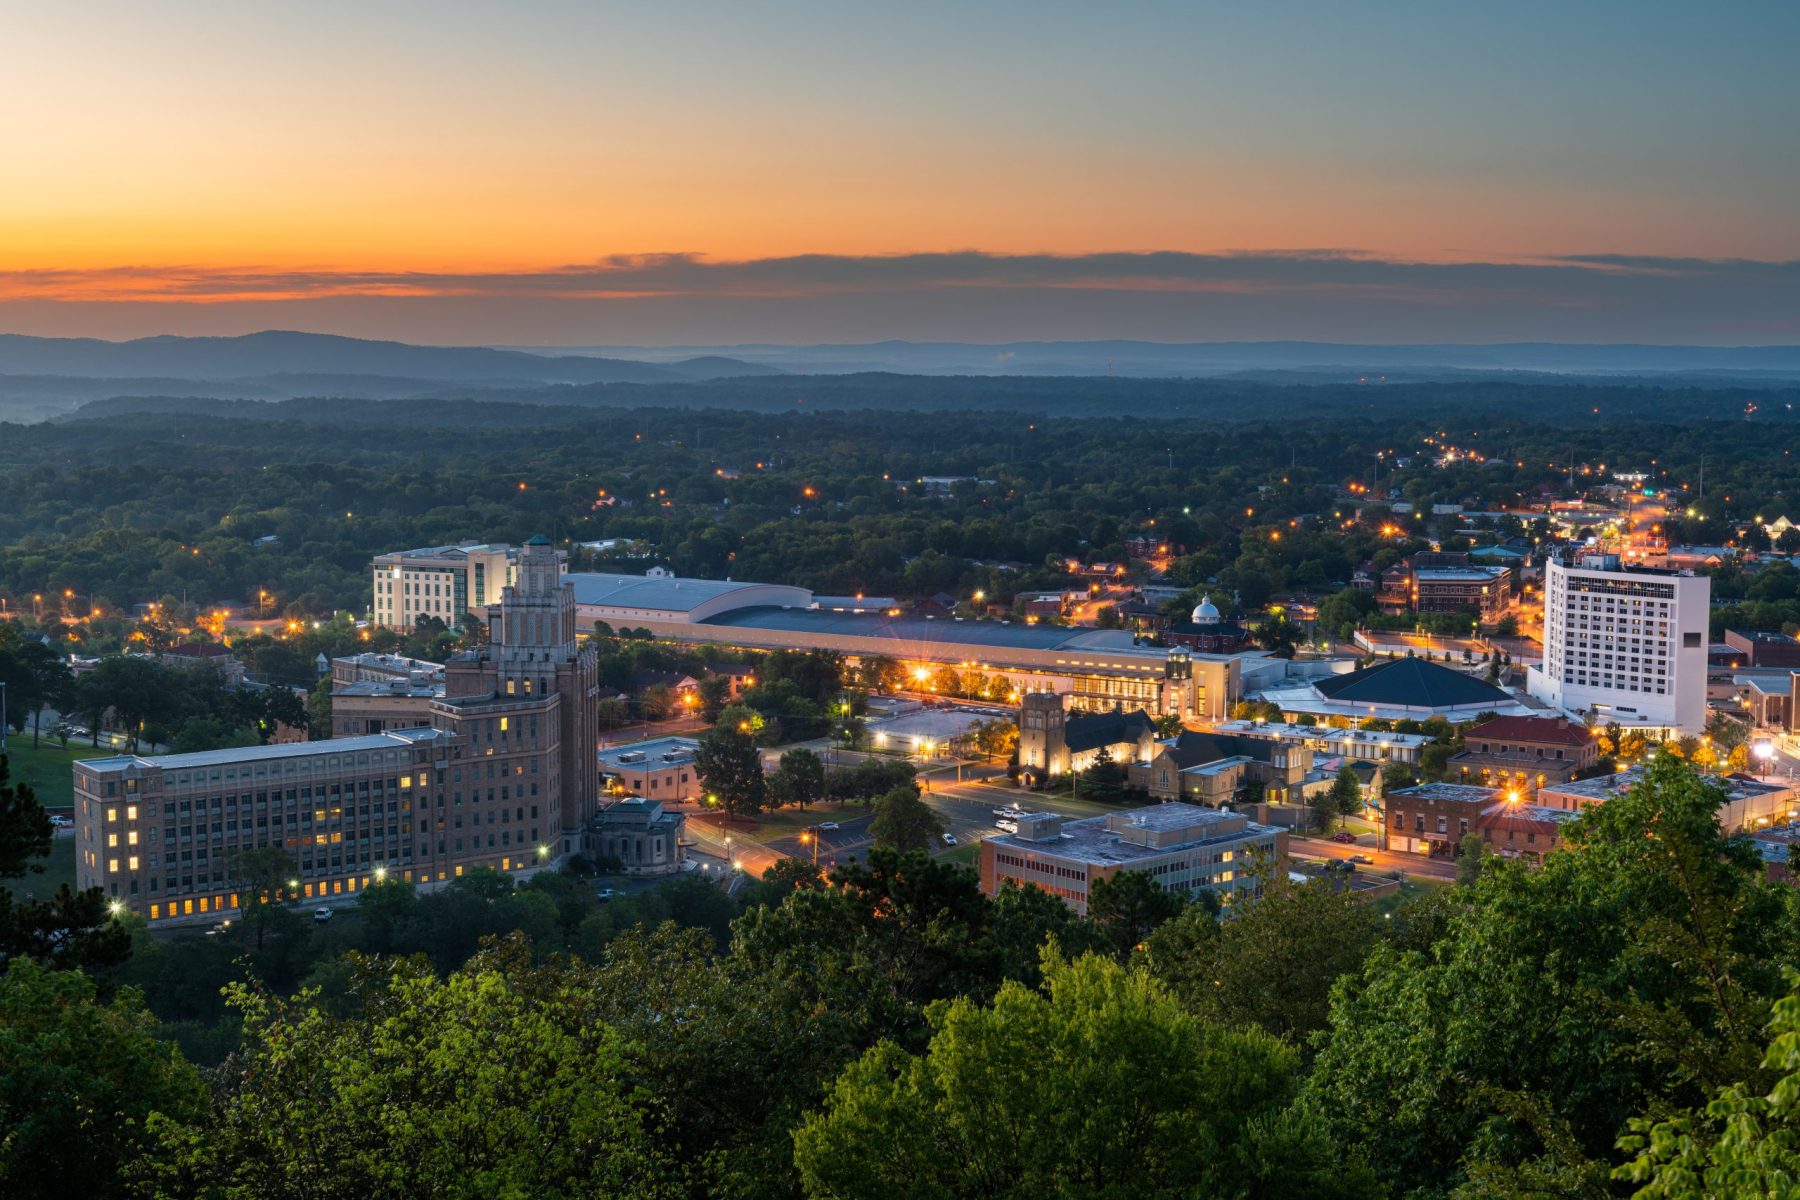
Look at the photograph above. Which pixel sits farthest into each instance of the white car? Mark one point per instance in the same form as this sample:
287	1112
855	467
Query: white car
605	894
322	915
949	839
61	822
1006	826
829	827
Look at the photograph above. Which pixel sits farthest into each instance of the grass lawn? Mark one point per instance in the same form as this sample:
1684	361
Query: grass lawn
1409	891
46	769
786	822
59	868
966	854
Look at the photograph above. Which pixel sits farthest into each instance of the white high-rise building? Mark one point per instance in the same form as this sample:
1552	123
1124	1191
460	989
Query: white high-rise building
1625	644
445	582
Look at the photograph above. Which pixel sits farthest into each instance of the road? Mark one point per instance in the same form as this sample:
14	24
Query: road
1414	865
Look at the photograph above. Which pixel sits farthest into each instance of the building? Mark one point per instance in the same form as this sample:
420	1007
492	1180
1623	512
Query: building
375	706
659	769
1433	818
639	837
1053	743
1182	847
1351	745
1767	697
1764	647
503	776
739	677
1527	831
368	668
205	655
372	693
442	582
1095	668
1525	753
1436	582
1625	645
1396	690
1749	802
1206	631
1214	769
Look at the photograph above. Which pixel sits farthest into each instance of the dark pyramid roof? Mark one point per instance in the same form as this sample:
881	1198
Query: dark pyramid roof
1092	730
1411	681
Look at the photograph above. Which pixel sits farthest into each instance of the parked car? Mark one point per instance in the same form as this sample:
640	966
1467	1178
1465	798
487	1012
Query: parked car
1346	838
949	839
322	915
1006	826
60	821
830	827
605	894
1364	859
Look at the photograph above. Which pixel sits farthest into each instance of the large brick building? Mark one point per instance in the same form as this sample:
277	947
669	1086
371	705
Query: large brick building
1525	753
1435	582
503	776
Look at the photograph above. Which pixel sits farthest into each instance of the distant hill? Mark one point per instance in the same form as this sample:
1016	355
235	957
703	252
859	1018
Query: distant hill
314	356
1195	359
41	377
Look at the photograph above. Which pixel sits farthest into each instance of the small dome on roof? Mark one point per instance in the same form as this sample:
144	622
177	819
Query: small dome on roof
1205	613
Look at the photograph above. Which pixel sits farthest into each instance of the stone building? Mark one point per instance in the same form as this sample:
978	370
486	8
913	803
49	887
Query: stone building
1214	769
502	775
1052	742
639	837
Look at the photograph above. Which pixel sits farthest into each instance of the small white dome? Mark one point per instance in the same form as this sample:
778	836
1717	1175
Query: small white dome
1205	613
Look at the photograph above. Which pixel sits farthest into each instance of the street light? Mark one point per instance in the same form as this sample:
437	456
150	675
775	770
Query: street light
380	874
116	907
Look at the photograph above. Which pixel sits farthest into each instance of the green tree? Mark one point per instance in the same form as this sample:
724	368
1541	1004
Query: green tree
1105	780
1273	963
25	830
730	767
800	779
264	877
1126	907
995	737
318	708
1634	970
1346	793
79	1081
1745	1143
1098	1085
491	1081
1472	857
903	821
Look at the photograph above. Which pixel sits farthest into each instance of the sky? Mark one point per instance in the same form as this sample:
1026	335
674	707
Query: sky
587	172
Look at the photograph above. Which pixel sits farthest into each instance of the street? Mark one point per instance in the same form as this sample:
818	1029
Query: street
1414	865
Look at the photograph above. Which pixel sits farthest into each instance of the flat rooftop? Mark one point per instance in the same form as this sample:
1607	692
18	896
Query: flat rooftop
1457	574
1605	787
1014	635
1459	793
671	594
1094	840
425	689
388	740
652	750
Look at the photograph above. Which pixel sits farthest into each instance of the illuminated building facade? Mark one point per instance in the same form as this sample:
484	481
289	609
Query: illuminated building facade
502	776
